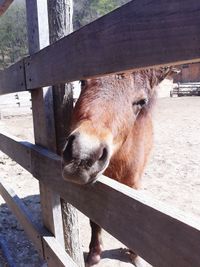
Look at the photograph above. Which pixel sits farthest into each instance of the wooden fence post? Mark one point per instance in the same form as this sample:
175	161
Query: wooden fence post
42	104
60	24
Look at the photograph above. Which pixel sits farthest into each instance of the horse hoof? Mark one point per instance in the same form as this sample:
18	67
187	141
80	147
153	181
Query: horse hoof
131	254
135	259
94	256
92	259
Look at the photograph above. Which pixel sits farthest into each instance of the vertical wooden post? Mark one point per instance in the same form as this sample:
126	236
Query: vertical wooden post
42	106
60	24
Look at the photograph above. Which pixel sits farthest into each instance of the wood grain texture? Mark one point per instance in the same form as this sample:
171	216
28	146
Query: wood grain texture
19	209
4	5
47	245
55	254
12	79
60	24
42	107
162	236
140	34
16	150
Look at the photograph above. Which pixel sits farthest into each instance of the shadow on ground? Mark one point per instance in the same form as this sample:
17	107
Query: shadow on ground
15	246
120	254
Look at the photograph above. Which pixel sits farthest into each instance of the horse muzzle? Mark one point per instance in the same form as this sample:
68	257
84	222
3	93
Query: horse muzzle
84	158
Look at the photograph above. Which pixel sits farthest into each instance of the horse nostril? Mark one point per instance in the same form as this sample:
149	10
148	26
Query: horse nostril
67	151
99	156
104	154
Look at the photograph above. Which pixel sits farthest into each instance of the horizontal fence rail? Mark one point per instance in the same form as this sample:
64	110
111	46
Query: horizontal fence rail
140	34
47	246
13	79
164	238
33	230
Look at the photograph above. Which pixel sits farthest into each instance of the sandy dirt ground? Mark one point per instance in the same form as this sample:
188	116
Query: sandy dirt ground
172	177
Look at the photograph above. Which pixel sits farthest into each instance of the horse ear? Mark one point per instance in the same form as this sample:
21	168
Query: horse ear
160	74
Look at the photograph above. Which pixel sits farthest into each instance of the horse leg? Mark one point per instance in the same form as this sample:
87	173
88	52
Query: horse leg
133	182
95	247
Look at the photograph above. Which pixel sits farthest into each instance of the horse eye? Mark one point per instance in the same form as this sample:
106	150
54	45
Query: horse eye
141	102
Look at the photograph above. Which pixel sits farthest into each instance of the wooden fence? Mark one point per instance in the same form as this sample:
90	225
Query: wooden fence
138	35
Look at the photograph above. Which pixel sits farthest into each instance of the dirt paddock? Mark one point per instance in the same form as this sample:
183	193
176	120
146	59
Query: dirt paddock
172	177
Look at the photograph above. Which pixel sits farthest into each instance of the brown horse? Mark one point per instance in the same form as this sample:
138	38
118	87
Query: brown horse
111	133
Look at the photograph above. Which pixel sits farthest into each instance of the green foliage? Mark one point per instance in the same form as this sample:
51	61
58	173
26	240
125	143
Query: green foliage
86	11
103	6
13	36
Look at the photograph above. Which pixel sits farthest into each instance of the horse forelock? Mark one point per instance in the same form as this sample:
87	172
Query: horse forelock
111	94
106	101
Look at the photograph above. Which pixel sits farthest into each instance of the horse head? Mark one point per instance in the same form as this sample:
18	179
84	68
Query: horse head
103	118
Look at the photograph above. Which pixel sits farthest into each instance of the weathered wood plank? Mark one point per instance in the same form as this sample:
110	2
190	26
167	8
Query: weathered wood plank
47	245
43	115
60	13
16	150
20	210
140	34
4	5
149	34
12	79
162	236
55	253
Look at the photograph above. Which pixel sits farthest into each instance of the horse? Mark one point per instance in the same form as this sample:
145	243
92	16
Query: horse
111	134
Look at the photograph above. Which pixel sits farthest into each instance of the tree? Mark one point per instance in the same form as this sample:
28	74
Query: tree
103	6
86	11
13	36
